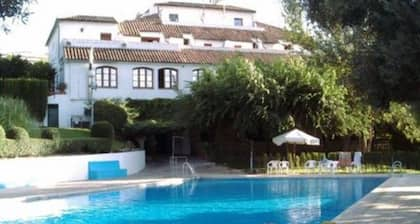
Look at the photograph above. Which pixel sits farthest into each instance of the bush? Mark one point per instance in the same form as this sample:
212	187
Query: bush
114	114
85	145
17	133
2	138
50	133
14	112
102	129
33	92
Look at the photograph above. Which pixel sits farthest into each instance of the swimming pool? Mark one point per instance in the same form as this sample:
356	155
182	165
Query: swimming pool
242	201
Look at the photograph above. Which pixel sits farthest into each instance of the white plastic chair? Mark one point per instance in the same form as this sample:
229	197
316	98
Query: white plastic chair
329	165
284	166
272	166
310	165
396	165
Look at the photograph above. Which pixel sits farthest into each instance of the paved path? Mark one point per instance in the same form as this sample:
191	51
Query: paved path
397	200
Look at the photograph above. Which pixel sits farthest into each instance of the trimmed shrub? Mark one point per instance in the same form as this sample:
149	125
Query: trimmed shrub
2	139
85	145
18	133
14	112
21	136
50	133
102	129
114	114
33	91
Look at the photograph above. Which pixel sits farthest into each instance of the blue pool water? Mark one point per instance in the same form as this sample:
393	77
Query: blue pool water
241	201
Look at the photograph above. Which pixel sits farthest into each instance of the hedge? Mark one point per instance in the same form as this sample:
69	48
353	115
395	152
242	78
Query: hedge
50	133
85	145
33	91
158	109
2	138
102	129
114	114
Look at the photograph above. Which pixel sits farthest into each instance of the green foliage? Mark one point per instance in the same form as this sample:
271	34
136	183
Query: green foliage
21	136
108	111
13	112
35	147
14	10
2	138
163	109
33	91
400	119
150	127
102	129
50	133
384	39
85	145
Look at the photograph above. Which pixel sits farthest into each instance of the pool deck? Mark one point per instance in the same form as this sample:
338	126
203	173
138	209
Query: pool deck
397	200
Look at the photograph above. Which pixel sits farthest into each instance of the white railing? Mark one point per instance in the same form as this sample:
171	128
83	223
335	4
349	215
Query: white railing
186	167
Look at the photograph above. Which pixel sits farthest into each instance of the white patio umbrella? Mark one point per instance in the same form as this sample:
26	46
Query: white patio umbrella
296	137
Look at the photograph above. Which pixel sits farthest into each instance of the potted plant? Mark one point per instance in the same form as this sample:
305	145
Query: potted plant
62	86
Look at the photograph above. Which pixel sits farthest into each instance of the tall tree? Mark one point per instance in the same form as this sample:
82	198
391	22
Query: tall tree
12	10
384	40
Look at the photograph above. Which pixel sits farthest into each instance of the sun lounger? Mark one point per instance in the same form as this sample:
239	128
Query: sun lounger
396	166
284	166
273	167
357	162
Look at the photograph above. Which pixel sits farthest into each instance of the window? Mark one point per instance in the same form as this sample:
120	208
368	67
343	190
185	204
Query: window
143	78
106	77
207	45
255	45
196	74
186	41
150	39
238	21
168	78
173	18
237	46
106	36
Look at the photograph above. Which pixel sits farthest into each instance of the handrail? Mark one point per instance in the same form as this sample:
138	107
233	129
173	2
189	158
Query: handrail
187	166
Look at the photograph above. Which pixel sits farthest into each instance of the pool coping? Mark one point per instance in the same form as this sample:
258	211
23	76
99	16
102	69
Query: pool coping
396	200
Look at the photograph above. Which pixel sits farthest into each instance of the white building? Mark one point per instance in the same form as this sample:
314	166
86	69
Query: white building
156	55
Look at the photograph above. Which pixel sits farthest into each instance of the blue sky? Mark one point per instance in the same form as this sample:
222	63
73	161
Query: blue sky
30	38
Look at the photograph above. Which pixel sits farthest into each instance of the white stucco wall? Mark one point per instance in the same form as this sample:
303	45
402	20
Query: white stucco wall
206	17
76	76
48	170
91	30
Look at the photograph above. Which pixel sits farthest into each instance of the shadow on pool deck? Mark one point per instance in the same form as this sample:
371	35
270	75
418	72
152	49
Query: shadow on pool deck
397	200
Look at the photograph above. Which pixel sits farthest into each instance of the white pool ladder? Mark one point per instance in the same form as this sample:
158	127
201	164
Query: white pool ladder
186	166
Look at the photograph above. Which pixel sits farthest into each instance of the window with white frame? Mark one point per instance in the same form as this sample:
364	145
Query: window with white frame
174	18
197	73
143	78
106	77
168	78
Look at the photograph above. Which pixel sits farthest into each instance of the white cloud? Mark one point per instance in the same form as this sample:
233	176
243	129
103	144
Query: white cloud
31	37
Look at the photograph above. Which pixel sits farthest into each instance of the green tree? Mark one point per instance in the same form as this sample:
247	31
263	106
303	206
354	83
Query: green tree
383	37
11	10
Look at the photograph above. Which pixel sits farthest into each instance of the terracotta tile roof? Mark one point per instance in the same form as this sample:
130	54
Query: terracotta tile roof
186	56
152	23
207	6
84	18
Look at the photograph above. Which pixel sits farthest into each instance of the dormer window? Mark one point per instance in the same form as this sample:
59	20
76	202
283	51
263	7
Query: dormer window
186	41
255	45
150	40
238	21
106	36
173	18
208	44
